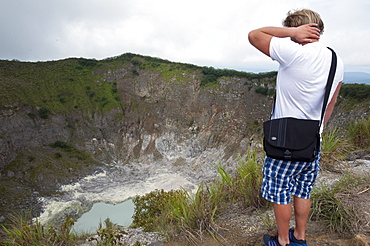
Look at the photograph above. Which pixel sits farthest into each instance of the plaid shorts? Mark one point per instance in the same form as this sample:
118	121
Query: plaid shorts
282	179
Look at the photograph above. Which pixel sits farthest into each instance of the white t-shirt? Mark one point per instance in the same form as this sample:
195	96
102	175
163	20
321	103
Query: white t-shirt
302	77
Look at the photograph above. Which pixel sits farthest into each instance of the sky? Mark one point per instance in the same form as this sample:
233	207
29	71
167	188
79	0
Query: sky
210	33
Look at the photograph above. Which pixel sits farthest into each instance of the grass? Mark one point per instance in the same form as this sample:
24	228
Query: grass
23	231
359	133
330	209
244	185
331	204
56	87
333	148
337	144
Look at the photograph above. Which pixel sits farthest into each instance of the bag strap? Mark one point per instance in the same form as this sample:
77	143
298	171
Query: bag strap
329	84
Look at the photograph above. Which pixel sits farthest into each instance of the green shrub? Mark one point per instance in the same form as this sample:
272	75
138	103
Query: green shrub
58	155
88	63
150	207
44	113
208	80
135	72
358	92
63	100
72	152
175	212
62	145
211	75
136	62
265	91
108	235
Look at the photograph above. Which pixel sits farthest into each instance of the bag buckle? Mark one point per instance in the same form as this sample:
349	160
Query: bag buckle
287	155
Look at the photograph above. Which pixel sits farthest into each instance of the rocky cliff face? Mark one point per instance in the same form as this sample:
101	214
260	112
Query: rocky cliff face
164	115
175	118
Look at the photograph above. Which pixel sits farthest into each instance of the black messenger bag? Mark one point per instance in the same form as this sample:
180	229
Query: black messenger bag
294	139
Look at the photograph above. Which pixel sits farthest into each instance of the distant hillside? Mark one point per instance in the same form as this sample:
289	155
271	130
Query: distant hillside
356	77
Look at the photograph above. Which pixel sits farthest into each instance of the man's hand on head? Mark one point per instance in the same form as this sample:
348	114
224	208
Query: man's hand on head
306	33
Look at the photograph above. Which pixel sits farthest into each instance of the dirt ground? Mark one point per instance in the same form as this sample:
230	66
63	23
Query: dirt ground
243	227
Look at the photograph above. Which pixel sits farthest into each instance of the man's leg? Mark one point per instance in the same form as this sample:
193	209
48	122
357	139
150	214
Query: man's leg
301	212
283	214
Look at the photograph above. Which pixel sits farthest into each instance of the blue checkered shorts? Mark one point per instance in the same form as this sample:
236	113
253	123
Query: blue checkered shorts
282	179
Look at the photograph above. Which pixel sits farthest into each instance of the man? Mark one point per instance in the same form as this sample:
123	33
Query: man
300	86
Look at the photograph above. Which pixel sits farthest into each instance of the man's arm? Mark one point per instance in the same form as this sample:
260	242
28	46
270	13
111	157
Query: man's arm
330	107
260	38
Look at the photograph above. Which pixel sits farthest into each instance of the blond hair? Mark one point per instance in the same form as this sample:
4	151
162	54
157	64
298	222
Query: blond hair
297	18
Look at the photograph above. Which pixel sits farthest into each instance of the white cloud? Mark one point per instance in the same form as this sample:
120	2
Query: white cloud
202	32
